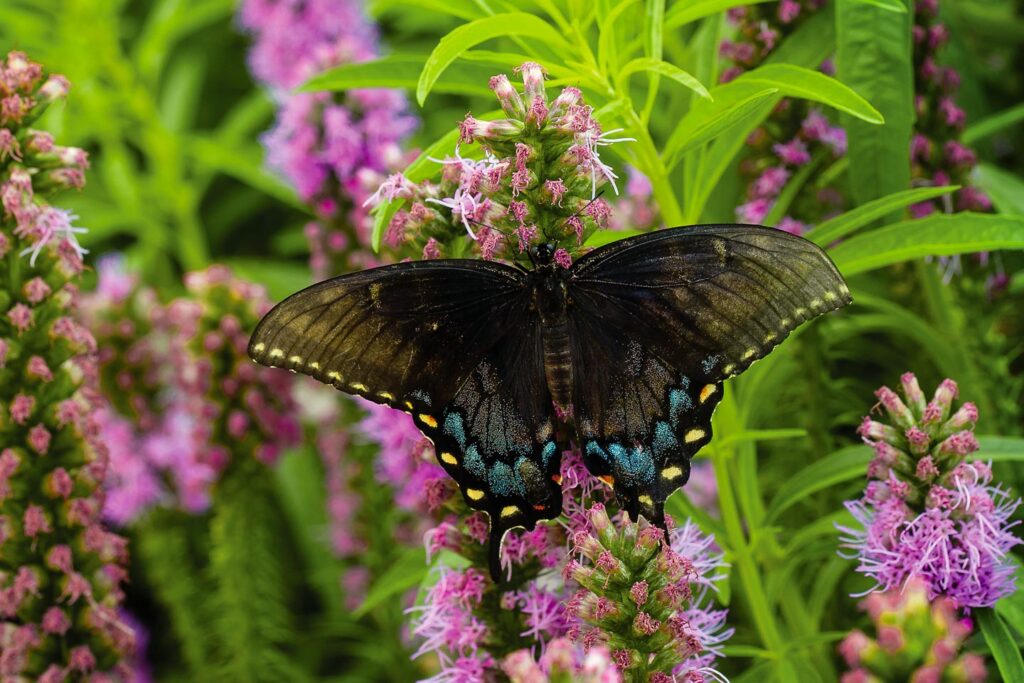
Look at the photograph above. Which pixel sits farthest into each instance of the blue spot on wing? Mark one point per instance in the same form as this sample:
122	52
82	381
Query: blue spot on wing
546	455
632	465
504	481
709	363
678	402
474	464
664	440
454	428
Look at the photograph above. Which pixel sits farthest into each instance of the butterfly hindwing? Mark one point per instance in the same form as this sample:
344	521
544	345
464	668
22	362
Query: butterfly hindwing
668	316
496	437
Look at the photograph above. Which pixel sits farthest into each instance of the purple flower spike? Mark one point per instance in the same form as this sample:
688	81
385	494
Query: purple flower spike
928	514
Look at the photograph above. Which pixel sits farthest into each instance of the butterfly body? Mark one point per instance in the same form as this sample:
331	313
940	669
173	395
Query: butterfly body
622	355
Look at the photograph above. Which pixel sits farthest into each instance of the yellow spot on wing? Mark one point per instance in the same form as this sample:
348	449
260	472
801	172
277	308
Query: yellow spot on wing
749	353
386	395
475	494
770	338
729	368
707	391
645	499
830	296
314	366
334	376
276	353
428	420
358	386
509	511
671	472
408	404
694	435
259	347
786	322
295	359
815	303
801	311
449	458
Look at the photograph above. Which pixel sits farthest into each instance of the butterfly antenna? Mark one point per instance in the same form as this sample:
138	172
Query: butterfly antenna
584	207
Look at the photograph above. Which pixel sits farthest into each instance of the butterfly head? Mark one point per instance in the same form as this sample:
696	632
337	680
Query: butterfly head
543	254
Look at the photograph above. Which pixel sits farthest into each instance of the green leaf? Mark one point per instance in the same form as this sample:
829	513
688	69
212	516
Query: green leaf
475	32
463	9
664	69
762	435
842	225
683	13
408	570
845	464
936	235
706	120
1004	649
420	169
399	71
1000	449
797	81
873	56
888	5
993	124
1005	189
603	237
243	163
1011	608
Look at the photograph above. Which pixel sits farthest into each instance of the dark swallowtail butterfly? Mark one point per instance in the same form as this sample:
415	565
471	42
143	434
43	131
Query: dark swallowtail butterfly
625	352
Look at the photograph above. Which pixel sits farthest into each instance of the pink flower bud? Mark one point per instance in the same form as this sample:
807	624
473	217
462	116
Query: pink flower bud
897	410
912	392
507	96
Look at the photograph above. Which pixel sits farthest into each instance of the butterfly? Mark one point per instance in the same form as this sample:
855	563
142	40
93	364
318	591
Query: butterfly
501	366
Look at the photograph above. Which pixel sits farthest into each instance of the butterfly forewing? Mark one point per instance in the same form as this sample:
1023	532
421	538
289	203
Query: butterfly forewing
672	314
406	335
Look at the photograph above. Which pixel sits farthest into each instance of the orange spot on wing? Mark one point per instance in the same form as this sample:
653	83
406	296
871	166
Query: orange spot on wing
608	479
557	478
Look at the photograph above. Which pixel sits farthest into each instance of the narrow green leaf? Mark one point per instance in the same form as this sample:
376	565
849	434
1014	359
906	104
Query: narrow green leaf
664	69
797	81
842	225
408	570
762	435
603	237
888	5
1005	189
1001	449
845	464
683	13
873	56
707	120
1004	649
463	9
936	235
243	163
1011	608
475	32
993	124
399	71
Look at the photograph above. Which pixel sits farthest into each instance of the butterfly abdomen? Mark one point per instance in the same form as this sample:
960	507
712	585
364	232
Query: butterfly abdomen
558	363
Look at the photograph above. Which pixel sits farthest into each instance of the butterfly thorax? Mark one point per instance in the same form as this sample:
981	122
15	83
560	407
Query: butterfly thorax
550	300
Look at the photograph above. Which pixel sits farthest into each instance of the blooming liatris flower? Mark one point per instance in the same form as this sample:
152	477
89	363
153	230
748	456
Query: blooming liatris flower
60	569
562	662
333	148
915	640
536	180
927	511
648	604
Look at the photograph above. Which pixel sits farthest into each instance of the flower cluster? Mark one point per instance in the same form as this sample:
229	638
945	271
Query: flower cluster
535	180
927	512
937	155
562	662
794	136
915	640
332	149
175	421
60	569
647	601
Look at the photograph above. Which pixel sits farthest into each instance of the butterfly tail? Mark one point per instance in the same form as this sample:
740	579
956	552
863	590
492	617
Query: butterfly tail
494	553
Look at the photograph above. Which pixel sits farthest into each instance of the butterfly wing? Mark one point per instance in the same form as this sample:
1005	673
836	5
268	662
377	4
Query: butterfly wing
454	343
673	314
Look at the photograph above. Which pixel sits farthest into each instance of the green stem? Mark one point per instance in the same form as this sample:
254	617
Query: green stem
742	556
